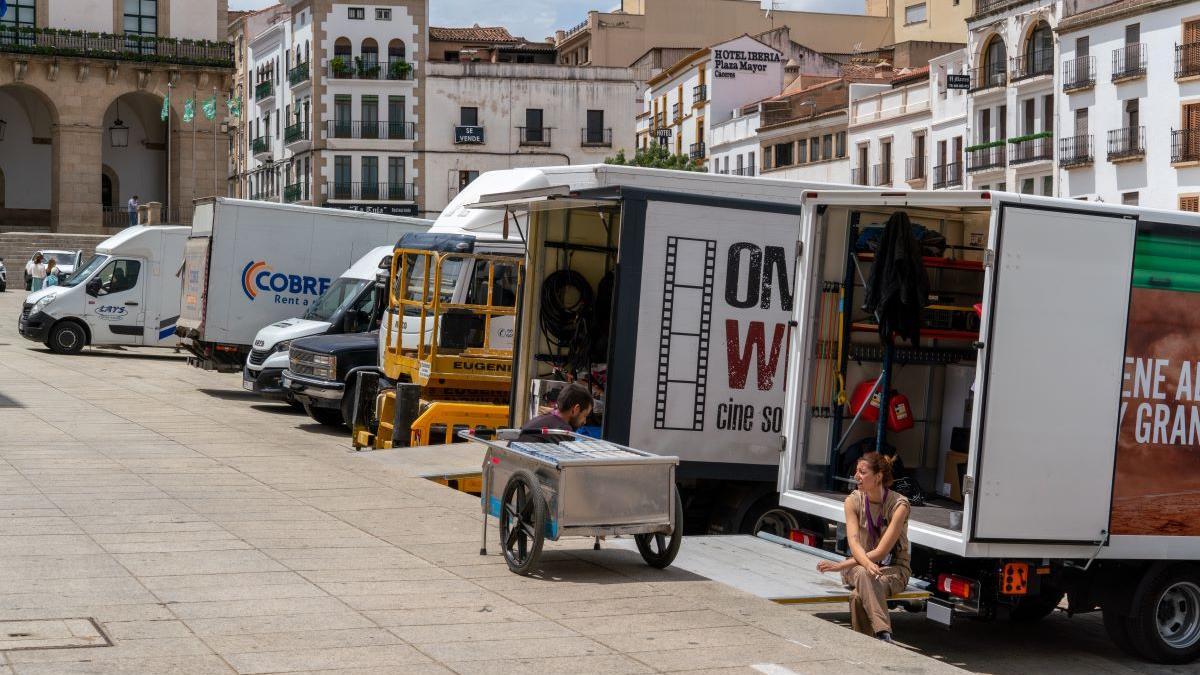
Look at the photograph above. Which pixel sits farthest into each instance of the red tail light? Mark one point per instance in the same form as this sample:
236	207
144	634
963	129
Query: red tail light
956	586
803	537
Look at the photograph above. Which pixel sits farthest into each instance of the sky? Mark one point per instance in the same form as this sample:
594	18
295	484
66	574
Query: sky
538	19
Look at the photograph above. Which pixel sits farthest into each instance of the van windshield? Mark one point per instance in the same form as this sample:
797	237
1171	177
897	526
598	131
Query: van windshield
340	294
90	268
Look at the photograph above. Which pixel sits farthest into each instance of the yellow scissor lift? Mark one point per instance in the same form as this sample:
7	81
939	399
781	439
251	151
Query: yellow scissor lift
462	365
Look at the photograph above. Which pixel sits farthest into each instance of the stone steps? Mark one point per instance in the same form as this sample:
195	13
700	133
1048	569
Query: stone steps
17	247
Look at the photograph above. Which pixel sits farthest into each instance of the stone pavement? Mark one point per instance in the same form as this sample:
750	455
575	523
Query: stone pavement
208	532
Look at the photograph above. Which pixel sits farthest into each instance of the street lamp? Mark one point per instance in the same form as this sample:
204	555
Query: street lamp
118	133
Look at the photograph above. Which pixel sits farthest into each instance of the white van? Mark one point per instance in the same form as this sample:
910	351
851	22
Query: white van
349	306
127	294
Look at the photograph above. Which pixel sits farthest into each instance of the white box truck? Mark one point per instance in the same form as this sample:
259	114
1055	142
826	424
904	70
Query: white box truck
1076	469
251	263
126	294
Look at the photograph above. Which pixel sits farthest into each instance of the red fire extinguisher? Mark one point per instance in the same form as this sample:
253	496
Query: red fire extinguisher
899	417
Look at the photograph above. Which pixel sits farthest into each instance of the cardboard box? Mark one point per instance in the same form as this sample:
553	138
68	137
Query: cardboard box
951	487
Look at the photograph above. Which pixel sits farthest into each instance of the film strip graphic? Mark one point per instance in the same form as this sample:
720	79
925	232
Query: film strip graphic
683	344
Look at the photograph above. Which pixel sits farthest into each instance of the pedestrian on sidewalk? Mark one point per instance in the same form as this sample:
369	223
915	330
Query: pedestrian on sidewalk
133	209
51	274
36	269
571	412
877	531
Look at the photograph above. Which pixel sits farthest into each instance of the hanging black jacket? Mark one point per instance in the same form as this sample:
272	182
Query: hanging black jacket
898	288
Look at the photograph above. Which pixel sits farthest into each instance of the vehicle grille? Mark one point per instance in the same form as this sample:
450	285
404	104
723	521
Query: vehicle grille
301	362
258	356
25	308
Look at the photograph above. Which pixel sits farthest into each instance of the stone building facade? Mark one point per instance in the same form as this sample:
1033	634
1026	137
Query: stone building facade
82	86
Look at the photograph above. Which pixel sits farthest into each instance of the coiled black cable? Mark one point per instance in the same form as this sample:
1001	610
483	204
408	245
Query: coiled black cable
567	327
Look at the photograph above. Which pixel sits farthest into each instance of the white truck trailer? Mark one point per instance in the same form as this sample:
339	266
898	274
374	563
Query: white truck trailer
249	263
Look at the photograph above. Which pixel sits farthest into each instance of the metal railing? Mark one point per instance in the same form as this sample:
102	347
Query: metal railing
1129	61
987	77
982	6
1079	73
1185	145
1033	150
371	129
575	29
260	145
367	192
914	168
699	93
534	135
54	42
295	132
858	176
299	74
292	193
881	174
696	150
750	170
116	216
1033	64
1075	151
264	89
947	175
1187	60
660	120
343	69
676	112
987	158
1127	143
595	138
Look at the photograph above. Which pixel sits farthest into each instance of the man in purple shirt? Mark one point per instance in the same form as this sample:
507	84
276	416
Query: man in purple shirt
574	406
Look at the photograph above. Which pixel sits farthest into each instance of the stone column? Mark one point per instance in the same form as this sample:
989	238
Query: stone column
76	177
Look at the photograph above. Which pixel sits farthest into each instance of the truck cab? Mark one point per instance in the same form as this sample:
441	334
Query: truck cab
348	306
126	294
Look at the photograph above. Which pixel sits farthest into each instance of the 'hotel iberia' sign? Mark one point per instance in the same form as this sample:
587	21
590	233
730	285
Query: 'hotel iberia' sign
730	62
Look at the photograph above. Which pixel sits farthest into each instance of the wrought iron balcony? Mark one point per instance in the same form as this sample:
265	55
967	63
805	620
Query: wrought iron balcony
947	175
595	138
697	151
1128	62
881	174
699	94
1035	63
261	146
1079	73
914	168
1185	145
292	193
988	77
1126	144
368	192
750	170
1075	151
295	132
264	90
1033	150
987	158
153	49
535	136
858	176
676	112
1187	60
299	75
371	130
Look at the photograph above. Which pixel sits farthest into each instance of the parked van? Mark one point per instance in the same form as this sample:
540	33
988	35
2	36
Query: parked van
348	306
126	294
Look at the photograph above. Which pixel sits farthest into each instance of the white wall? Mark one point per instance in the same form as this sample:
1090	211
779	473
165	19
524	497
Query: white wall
1161	101
89	15
26	166
732	139
881	113
194	19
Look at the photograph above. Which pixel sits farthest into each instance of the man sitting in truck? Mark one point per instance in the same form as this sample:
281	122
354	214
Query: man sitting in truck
877	532
571	412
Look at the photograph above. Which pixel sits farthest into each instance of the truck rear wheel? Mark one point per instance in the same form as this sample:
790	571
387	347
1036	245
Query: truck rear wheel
1116	625
768	516
67	338
1165	624
329	417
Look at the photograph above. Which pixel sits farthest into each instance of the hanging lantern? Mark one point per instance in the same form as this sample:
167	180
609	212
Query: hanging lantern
118	133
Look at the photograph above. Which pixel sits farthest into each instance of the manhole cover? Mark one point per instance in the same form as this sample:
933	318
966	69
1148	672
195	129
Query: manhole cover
51	634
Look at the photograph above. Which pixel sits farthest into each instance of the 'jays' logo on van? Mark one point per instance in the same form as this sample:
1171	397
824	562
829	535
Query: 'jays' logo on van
258	276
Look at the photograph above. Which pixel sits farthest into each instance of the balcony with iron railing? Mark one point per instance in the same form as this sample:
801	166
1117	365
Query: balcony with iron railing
947	175
1187	60
1037	149
1034	63
264	90
1126	145
595	138
1185	146
108	46
676	112
697	150
293	193
299	75
1079	74
989	6
984	159
340	68
988	77
534	136
261	146
1129	62
858	176
881	174
1075	151
660	120
699	94
370	192
914	169
296	134
750	170
370	130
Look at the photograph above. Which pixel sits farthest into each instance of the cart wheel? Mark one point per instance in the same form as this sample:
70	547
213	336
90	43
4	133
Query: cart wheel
522	522
656	549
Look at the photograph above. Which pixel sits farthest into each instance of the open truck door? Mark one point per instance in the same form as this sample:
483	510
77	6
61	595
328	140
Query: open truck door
1049	389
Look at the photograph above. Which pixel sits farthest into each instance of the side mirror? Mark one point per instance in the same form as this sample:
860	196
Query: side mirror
93	287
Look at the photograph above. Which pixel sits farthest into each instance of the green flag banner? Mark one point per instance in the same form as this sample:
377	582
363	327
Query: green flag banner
210	107
166	106
235	106
189	110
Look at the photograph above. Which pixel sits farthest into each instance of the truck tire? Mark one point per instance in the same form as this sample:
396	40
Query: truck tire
768	516
67	337
1036	608
1164	624
1116	624
329	417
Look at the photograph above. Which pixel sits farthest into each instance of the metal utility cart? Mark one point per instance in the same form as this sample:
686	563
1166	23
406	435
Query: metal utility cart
579	487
